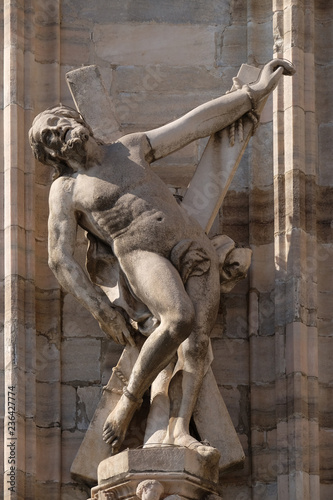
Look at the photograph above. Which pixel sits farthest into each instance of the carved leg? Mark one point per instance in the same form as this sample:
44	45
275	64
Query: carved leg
174	309
194	356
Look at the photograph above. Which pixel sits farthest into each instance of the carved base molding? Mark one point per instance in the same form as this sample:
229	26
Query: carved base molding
154	473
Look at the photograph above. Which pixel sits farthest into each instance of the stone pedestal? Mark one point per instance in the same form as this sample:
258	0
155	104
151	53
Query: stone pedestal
154	473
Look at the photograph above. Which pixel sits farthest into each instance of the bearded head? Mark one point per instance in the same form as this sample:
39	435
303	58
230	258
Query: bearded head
58	137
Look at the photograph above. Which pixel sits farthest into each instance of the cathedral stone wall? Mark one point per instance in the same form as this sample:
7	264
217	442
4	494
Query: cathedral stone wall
273	341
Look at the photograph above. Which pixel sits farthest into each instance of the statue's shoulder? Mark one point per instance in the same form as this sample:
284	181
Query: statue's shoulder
61	189
137	141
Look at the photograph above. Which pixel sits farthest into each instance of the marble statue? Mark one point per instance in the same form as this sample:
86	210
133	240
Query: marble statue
169	270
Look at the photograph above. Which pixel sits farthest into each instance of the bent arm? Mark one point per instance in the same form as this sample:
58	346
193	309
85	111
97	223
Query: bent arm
62	228
216	114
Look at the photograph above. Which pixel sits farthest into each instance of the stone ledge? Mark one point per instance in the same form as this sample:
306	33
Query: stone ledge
180	471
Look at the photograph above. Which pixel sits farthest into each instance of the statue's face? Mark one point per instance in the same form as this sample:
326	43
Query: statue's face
61	136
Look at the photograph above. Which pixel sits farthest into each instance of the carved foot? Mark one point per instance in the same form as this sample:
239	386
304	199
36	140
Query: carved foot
209	453
116	424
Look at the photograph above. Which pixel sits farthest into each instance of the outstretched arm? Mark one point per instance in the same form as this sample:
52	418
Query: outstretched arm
62	239
218	113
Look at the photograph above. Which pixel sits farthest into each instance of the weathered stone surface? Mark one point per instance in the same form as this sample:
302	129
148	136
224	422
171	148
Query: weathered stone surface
88	398
48	454
68	407
231	354
86	349
70	444
177	471
48	410
145	44
77	322
185	12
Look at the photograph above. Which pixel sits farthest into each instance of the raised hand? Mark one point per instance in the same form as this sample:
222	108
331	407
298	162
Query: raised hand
269	78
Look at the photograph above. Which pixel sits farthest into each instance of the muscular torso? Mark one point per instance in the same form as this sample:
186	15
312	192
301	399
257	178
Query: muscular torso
127	206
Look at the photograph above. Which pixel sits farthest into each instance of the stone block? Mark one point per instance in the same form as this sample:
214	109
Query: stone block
301	400
326	459
74	492
48	313
263	402
232	399
267	491
77	321
265	467
47	43
294	133
260	41
48	454
47	360
262	271
326	491
231	50
43	176
231	361
260	12
325	327
41	204
324	304
301	349
176	469
44	276
236	316
324	44
70	444
146	11
81	360
232	492
111	353
325	353
143	44
262	359
144	110
266	314
261	157
75	45
68	407
49	490
294	27
44	78
177	176
164	78
88	399
325	141
48	404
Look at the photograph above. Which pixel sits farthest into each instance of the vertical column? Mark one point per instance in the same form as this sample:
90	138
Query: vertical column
2	371
261	305
29	32
296	335
19	265
46	92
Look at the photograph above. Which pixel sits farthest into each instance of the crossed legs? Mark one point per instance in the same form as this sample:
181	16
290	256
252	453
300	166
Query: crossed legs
186	317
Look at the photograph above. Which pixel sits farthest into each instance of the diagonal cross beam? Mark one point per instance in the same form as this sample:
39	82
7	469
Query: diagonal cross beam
202	200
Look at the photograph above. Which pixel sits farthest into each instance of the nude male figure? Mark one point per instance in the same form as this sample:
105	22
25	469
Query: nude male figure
110	191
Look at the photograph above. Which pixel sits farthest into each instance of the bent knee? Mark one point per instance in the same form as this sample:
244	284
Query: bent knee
180	322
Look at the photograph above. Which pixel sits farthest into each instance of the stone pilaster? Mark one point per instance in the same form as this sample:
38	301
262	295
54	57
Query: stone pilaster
296	347
19	320
24	43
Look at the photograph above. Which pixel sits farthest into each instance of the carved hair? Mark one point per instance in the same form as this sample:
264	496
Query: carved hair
41	153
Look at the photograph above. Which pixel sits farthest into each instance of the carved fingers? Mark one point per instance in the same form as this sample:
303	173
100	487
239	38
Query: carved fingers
269	78
115	326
